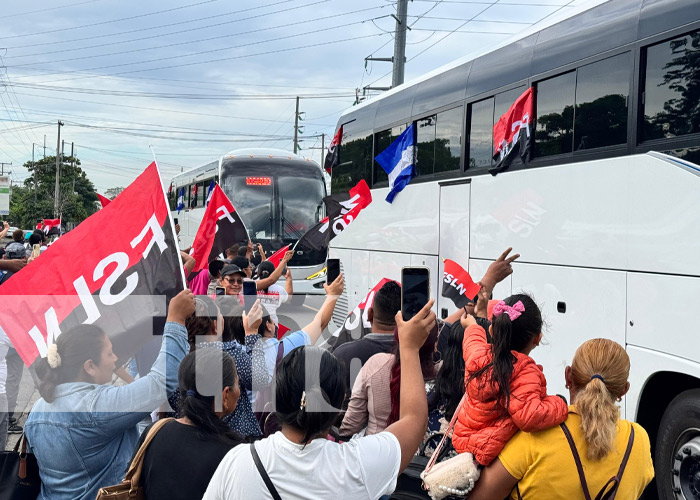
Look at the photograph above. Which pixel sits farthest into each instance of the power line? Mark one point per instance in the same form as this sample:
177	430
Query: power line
188	42
102	23
50	9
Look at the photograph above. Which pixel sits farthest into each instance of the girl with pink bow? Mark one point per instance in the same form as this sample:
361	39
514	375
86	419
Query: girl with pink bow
506	389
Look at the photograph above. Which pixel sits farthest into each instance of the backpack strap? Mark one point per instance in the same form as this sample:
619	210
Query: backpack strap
577	459
263	473
604	493
280	353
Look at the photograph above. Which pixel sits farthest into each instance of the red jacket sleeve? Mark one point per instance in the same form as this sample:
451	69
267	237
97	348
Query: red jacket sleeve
529	409
474	342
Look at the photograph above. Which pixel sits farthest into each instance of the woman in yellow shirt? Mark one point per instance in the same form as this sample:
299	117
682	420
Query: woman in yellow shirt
541	465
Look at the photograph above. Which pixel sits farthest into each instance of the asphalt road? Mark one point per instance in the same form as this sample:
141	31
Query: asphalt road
293	317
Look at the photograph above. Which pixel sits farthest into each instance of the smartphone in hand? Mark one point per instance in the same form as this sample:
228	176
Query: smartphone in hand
250	295
220	290
415	290
332	270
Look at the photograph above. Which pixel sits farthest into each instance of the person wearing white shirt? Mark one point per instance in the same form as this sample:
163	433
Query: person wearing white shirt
299	462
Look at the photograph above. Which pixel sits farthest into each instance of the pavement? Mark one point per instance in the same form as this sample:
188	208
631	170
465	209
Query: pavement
294	317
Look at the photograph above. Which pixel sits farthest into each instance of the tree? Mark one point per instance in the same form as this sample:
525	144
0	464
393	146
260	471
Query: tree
76	201
111	193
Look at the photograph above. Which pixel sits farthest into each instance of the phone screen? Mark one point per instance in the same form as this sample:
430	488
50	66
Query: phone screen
175	220
332	270
250	295
415	290
220	290
36	250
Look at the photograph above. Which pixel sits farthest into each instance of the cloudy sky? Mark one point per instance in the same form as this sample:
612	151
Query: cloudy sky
196	79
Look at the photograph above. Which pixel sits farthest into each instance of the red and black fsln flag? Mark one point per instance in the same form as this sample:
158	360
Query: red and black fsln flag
333	155
457	285
513	132
116	270
221	227
341	210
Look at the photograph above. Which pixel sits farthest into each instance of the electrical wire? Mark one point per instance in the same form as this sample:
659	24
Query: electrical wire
41	11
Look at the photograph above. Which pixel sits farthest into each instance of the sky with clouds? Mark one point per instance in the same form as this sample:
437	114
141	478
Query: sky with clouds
198	78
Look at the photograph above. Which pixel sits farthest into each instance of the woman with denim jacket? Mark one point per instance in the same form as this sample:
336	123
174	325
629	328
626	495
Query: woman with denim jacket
83	431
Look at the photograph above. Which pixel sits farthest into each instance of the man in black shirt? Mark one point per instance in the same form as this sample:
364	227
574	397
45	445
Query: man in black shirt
353	355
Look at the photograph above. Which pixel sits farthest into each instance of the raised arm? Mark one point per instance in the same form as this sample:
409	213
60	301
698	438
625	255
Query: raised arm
261	251
413	405
499	270
188	262
289	284
5	229
325	313
13	265
265	283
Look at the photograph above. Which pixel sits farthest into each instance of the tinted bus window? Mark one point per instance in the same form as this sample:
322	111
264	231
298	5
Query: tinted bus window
448	140
481	134
601	103
355	161
555	115
425	145
672	88
255	203
383	140
300	202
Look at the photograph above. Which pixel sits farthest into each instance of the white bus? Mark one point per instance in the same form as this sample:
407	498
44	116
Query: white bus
606	215
278	195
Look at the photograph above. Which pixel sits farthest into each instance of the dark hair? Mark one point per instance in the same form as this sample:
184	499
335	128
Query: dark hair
449	382
232	250
198	408
233	323
241	262
40	234
242	251
265	269
510	336
34	239
266	317
386	303
427	366
18	236
215	267
75	347
328	387
201	320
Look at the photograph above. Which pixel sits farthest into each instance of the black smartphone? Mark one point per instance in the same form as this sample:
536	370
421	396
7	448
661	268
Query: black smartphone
175	220
415	290
332	270
220	290
250	295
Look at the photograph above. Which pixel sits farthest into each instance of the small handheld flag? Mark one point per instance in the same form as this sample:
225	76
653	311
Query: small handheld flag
458	285
210	190
276	257
181	200
333	155
399	162
512	133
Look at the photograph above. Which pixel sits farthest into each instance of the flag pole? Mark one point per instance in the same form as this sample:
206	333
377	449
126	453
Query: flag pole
150	146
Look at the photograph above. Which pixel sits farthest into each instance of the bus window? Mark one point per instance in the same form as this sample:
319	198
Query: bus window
383	140
601	103
555	115
425	145
300	201
254	201
355	161
481	134
670	99
448	140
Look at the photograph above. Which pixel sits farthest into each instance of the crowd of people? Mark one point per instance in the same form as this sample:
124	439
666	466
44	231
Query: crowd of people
235	407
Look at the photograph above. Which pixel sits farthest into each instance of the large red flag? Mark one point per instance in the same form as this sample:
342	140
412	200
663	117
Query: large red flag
276	257
221	227
333	155
104	201
120	284
512	133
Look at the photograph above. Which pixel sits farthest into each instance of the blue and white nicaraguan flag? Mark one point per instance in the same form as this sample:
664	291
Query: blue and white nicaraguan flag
399	162
181	200
210	190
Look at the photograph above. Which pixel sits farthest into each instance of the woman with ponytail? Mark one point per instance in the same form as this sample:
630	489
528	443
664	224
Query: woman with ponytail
184	454
506	390
614	454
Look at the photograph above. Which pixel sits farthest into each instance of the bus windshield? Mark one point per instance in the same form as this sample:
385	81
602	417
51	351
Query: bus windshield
253	203
301	203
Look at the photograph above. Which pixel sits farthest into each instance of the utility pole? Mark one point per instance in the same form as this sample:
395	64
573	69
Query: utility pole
400	43
72	162
34	167
2	167
44	146
58	168
296	127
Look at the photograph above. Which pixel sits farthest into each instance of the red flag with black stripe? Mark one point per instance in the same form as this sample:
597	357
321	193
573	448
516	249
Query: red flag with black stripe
221	227
120	283
342	209
512	133
458	285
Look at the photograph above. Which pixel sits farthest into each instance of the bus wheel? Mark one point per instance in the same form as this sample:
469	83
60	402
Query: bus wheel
678	449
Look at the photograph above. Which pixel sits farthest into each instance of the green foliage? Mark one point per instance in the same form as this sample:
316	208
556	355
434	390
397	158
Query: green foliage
111	193
76	201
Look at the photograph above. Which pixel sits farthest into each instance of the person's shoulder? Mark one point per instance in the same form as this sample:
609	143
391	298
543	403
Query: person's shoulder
345	349
378	362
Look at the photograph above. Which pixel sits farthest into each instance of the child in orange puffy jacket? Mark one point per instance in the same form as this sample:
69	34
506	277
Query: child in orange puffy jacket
506	390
